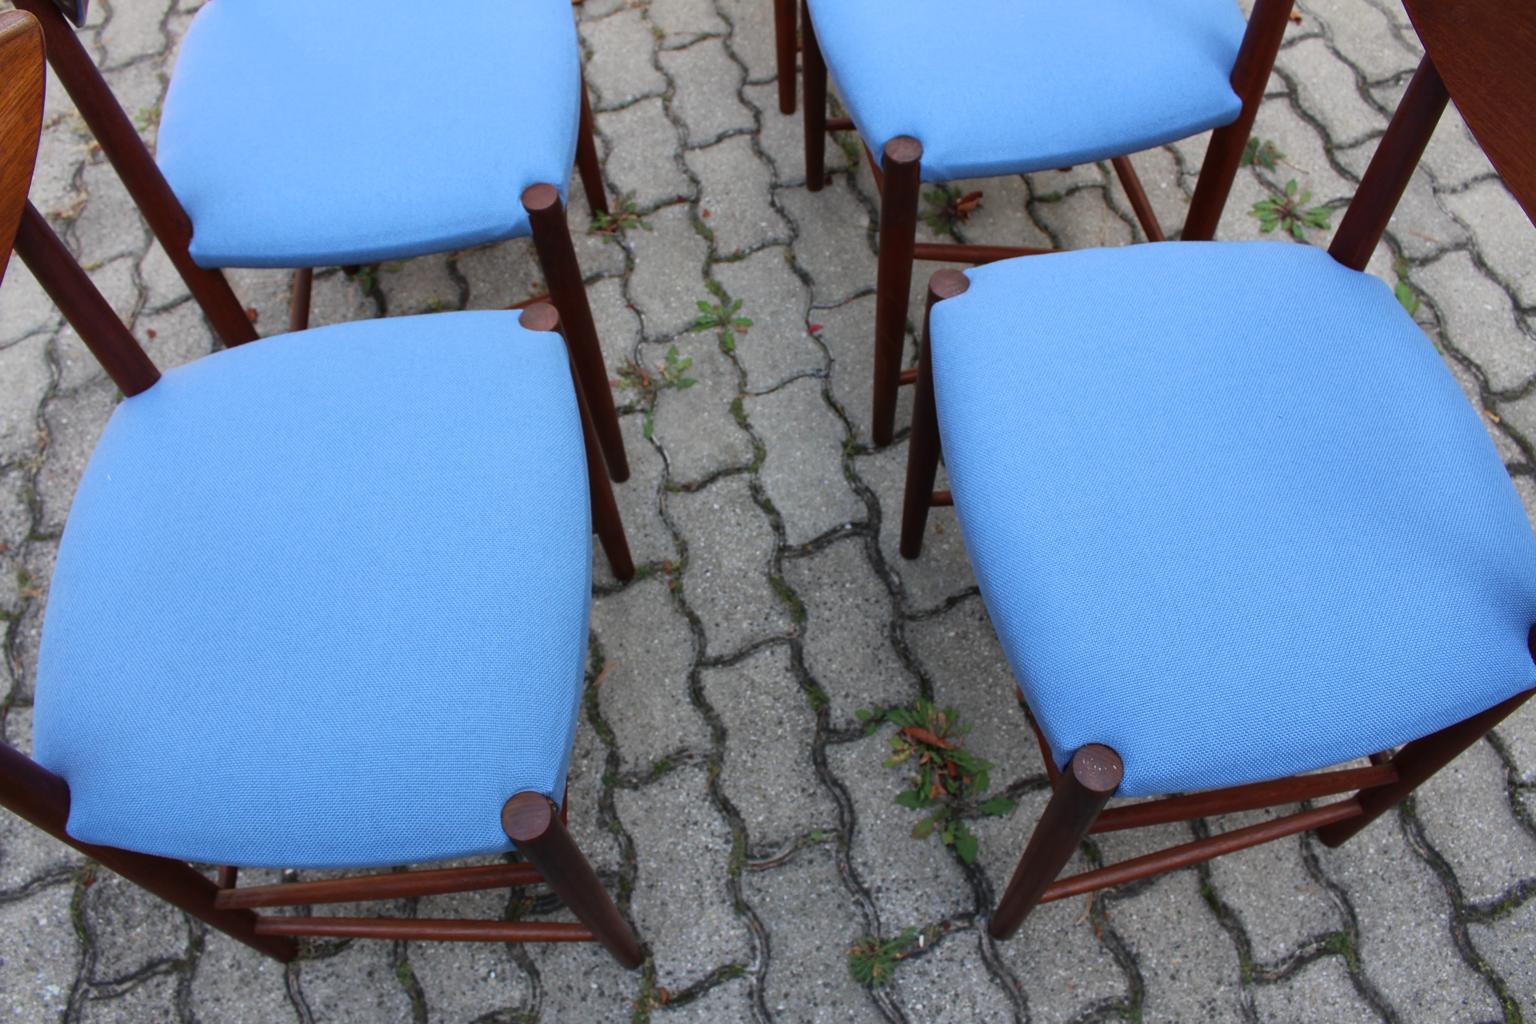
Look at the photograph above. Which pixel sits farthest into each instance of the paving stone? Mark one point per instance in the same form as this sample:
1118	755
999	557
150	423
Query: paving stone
1479	320
1465	810
695	426
1405	944
74	423
233	984
782	138
767	772
847	331
632	162
153	998
137	34
24	368
942	570
24	307
778	346
1518	733
706	81
38	956
27	854
620	66
430	287
681	903
951	984
1365	33
1502	234
1082	220
913	882
1327	90
1183	955
834	242
752	39
803	473
847	631
337	299
730	1001
175	336
644	693
585	784
109	225
469	981
581	982
649	540
668	282
499	275
1453	156
729	542
131	930
1321	991
735	190
682	21
812	921
1509	946
1280	905
356	984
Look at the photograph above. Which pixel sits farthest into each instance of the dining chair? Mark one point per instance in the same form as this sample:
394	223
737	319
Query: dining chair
986	88
786	50
321	603
299	135
1240	533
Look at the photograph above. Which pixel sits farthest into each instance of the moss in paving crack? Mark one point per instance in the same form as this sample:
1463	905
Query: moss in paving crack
789	598
872	960
406	976
85	877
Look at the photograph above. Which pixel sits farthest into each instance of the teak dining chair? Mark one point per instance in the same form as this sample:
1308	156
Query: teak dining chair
300	135
992	87
321	602
1232	517
786	50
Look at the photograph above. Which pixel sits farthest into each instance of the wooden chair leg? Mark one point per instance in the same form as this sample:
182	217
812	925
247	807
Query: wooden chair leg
1415	763
299	298
541	316
902	168
814	120
42	798
784	32
139	173
532	821
586	157
923	444
557	257
1083	790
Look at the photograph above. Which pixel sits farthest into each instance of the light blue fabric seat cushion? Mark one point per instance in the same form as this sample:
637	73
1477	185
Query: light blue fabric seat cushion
299	133
995	87
1230	513
322	599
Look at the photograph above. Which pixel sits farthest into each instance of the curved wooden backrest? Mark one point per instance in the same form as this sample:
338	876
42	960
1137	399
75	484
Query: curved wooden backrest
1485	51
21	119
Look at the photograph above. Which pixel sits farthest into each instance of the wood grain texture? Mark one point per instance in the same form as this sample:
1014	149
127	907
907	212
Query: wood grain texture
21	119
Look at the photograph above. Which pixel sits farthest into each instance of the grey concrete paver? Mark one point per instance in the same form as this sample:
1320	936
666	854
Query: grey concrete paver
720	783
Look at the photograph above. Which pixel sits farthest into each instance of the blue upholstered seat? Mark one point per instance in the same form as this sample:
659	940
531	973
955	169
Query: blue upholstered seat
322	599
1230	513
313	134
1010	86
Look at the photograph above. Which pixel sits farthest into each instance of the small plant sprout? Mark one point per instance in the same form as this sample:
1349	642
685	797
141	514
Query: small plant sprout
946	779
725	318
1406	296
625	216
1261	153
872	962
948	206
147	120
1288	209
670	373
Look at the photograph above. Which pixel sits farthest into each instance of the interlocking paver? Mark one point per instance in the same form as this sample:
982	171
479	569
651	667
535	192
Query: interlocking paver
720	783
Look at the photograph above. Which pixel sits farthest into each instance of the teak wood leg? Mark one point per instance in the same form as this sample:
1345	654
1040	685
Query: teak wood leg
902	168
1085	787
923	445
586	157
814	120
532	821
557	257
784	29
299	298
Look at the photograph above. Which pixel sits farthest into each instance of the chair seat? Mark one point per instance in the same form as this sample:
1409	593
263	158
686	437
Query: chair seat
314	134
322	599
995	87
1230	513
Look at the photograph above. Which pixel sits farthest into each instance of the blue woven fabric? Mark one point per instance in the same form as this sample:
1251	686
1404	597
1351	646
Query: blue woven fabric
322	599
1010	86
1230	513
302	134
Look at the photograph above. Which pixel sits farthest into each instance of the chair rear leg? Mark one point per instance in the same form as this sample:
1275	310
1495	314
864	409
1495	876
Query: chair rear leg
902	166
587	164
1081	793
557	257
1415	764
42	798
814	120
923	445
784	31
533	823
299	298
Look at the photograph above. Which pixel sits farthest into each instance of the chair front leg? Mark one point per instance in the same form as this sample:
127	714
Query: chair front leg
815	118
902	168
587	164
784	31
533	823
557	258
923	444
1081	793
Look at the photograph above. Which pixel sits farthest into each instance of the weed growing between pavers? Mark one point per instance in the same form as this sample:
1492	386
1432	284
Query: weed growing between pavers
948	206
871	961
1287	208
725	318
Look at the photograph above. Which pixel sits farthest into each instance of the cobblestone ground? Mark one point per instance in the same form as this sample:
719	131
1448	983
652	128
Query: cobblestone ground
721	780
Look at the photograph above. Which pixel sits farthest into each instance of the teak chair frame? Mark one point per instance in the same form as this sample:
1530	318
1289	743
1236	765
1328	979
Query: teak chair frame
530	820
171	225
786	51
1077	805
898	177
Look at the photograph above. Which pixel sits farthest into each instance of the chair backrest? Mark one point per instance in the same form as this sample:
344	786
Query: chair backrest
74	10
1478	52
21	120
